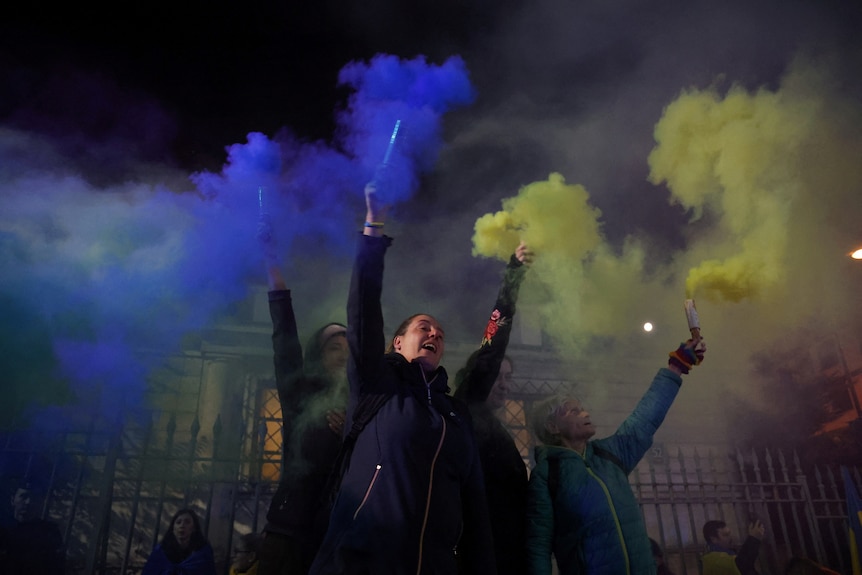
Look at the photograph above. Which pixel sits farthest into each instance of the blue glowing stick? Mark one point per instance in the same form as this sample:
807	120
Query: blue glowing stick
391	143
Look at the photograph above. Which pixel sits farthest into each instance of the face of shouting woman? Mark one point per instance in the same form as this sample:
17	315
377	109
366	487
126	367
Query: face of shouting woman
422	342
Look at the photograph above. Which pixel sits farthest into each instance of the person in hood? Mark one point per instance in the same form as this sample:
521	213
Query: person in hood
312	391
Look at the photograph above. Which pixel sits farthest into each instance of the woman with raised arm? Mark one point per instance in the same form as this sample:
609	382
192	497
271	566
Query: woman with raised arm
312	390
580	506
412	498
484	383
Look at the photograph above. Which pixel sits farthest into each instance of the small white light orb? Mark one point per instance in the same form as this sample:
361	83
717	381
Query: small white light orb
647	327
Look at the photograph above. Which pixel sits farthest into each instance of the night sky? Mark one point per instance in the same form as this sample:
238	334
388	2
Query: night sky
648	150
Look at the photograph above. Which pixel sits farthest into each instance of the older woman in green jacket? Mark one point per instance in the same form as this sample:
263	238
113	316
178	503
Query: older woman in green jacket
580	506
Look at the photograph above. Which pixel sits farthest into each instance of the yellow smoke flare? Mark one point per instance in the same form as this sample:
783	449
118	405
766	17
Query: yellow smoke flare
579	286
550	216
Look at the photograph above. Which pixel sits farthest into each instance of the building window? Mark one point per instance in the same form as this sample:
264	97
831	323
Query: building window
271	436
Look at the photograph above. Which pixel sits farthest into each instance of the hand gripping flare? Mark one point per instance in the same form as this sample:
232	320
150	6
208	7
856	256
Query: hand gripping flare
686	356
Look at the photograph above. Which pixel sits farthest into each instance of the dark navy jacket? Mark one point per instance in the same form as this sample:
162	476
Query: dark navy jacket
413	494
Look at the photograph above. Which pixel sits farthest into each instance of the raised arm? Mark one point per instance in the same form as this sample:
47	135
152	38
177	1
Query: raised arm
364	311
474	381
635	435
287	351
747	555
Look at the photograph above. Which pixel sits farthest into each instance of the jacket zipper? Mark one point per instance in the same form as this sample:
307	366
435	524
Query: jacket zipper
367	491
616	518
430	485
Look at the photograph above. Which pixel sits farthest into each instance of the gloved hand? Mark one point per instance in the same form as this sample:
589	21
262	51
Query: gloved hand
687	355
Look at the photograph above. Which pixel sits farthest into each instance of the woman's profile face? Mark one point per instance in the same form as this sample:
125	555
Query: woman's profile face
184	528
500	391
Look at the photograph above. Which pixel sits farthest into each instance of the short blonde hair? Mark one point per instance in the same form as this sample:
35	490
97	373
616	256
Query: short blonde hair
543	413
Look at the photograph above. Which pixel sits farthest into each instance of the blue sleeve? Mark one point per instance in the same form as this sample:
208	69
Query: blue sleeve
634	437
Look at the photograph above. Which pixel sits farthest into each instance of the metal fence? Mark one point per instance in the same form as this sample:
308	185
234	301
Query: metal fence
113	486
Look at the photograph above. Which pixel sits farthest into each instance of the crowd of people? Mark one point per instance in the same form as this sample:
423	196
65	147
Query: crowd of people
389	470
430	480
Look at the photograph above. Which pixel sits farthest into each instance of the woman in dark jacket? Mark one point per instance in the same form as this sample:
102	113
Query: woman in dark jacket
184	549
412	497
313	396
484	384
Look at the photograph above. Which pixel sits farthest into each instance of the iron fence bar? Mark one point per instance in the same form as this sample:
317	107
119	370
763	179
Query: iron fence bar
169	447
831	524
193	448
687	491
214	477
136	498
53	478
79	480
806	544
672	496
105	497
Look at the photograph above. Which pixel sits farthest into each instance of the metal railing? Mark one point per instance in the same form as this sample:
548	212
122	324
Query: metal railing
112	488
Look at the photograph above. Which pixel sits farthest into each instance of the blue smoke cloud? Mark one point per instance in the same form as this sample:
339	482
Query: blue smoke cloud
102	281
389	90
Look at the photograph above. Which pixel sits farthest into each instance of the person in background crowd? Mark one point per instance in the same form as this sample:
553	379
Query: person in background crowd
658	555
484	384
184	549
721	558
312	391
29	545
245	555
580	505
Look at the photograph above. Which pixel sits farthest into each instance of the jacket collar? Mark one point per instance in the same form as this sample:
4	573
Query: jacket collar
437	381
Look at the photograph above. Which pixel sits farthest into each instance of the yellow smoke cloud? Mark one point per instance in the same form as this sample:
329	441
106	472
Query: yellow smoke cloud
735	157
771	179
550	216
578	286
